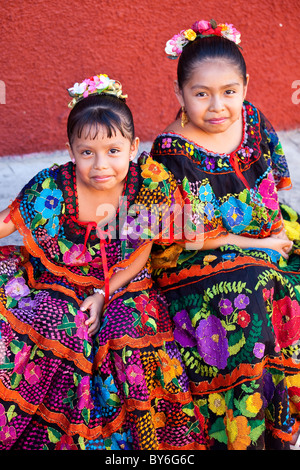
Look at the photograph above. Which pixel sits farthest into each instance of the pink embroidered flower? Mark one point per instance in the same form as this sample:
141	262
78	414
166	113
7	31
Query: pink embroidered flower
2	416
8	434
66	443
166	143
286	321
120	367
77	256
134	374
21	359
84	394
82	329
269	193
33	373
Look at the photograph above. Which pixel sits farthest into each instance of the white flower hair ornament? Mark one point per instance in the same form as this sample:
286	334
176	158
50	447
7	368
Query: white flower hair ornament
201	29
95	85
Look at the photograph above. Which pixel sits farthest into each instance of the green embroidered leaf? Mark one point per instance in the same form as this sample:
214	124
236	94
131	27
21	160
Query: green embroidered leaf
152	323
86	414
130	302
54	435
126	388
257	428
66	325
15	380
113	400
16	346
64	245
193	427
49	183
153	185
11	303
37	220
11	413
189	409
87	348
81	442
217	431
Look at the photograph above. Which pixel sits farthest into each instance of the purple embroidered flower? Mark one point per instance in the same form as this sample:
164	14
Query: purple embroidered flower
26	303
258	350
210	163
184	332
241	301
225	307
212	343
17	288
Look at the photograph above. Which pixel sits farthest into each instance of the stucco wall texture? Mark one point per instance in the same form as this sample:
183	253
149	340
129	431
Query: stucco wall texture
47	46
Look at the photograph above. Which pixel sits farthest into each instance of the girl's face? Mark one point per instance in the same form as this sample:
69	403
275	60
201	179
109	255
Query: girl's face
102	163
213	96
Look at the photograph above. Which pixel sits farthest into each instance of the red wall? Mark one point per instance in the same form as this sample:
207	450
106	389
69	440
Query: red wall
45	46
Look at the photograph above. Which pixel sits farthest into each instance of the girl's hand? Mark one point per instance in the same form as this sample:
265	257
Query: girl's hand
93	303
282	245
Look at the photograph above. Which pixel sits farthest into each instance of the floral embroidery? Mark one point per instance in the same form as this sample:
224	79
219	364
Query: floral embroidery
212	343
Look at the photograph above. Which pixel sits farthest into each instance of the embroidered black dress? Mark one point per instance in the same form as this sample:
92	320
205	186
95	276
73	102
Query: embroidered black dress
59	389
236	312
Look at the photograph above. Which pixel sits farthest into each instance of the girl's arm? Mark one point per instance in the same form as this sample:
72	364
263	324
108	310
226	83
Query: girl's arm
282	245
6	228
95	303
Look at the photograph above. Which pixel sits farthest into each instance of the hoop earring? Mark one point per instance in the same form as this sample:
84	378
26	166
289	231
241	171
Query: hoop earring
184	117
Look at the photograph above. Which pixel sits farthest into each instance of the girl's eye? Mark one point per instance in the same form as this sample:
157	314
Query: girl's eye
114	151
201	94
229	92
86	153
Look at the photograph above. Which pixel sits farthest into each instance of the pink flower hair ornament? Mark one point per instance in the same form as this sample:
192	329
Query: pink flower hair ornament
95	85
201	29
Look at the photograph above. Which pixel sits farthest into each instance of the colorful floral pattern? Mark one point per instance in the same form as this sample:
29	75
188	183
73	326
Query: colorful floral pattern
59	389
236	312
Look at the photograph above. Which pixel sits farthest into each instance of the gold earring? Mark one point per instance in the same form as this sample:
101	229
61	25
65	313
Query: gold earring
184	118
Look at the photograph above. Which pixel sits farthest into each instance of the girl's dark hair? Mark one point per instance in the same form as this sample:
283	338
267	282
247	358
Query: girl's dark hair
97	111
212	47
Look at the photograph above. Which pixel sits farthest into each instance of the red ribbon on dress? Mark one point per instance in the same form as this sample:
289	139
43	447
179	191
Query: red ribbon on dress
7	219
235	165
102	235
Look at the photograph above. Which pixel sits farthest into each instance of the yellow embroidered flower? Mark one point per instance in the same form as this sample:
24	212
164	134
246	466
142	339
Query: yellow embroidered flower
154	171
217	403
159	419
254	403
238	432
190	34
171	368
208	259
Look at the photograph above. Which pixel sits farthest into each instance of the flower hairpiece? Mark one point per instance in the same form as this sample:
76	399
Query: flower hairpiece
95	85
200	29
